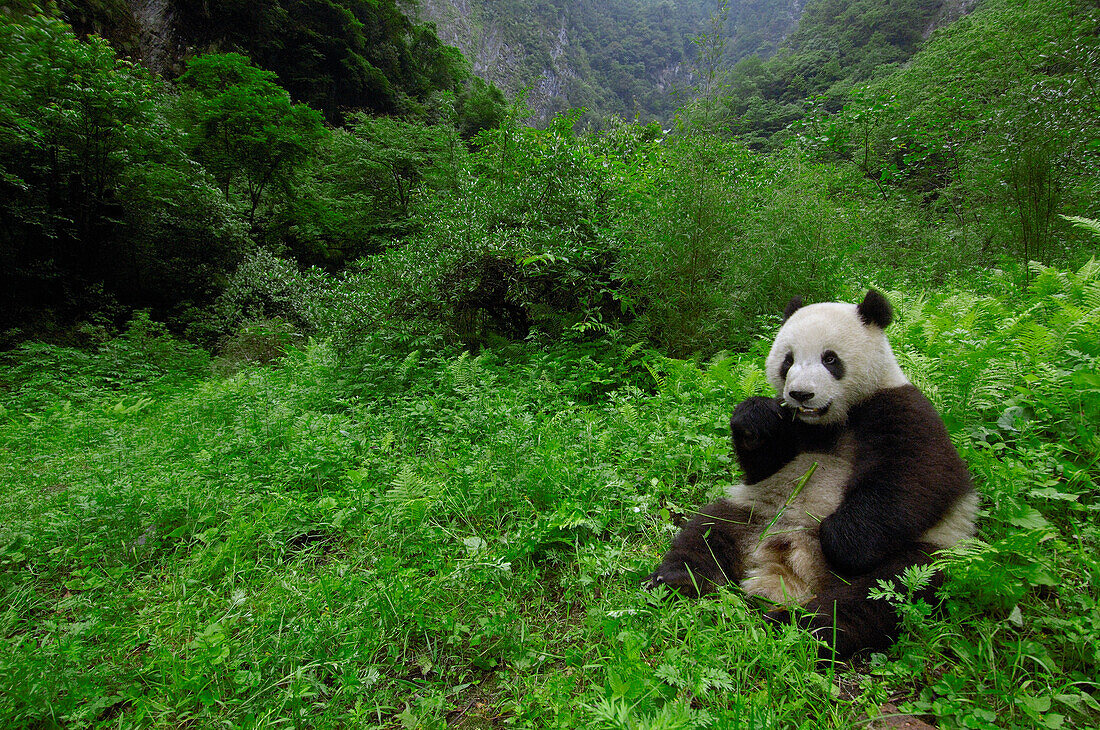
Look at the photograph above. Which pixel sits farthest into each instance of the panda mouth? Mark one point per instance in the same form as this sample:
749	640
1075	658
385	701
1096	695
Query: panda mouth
806	412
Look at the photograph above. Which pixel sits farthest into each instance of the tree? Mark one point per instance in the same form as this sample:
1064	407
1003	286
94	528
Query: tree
362	191
84	153
245	130
334	55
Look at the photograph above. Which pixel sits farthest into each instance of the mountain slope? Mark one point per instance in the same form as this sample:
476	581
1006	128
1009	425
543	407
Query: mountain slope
335	55
625	57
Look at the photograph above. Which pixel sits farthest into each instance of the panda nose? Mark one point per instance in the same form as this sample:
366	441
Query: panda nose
800	395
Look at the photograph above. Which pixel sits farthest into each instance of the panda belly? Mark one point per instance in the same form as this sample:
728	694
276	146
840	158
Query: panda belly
783	561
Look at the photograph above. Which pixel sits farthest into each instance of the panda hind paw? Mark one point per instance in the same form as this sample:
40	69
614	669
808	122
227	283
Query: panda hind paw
778	617
679	580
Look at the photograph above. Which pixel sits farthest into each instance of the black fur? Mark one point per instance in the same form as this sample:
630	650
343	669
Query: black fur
907	474
792	306
876	310
785	366
704	555
763	437
833	364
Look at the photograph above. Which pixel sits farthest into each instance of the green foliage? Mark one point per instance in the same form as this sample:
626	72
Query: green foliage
100	203
1085	224
1016	383
49	380
411	537
519	245
423	490
837	44
265	287
681	256
630	59
367	188
994	145
333	55
243	129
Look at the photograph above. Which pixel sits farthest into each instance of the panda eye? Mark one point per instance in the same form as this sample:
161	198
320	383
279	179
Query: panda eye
833	364
788	361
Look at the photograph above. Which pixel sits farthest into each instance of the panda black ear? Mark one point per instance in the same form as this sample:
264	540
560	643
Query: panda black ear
875	309
792	306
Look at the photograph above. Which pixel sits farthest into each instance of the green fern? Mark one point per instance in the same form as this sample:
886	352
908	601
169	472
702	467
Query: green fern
407	365
410	494
1084	224
753	382
465	372
658	378
923	372
629	413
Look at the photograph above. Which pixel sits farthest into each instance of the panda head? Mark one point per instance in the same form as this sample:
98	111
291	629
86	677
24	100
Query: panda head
831	356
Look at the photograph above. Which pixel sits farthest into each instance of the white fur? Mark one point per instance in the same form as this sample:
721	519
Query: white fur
956	525
783	560
870	365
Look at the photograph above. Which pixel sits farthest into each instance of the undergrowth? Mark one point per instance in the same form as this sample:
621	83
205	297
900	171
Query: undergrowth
377	537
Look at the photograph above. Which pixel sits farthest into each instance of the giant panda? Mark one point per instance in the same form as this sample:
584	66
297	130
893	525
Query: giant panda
849	478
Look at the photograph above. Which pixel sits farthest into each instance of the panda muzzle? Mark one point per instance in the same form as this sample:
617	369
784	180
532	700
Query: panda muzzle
806	411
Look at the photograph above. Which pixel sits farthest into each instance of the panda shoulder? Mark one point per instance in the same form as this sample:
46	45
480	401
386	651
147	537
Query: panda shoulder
902	411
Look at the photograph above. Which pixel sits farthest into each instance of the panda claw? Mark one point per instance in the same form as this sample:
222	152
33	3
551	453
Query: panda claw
778	617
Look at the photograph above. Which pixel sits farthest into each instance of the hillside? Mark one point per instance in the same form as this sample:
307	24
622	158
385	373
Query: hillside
625	58
640	57
622	57
337	56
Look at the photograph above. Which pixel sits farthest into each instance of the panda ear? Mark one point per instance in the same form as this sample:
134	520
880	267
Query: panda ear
792	306
876	310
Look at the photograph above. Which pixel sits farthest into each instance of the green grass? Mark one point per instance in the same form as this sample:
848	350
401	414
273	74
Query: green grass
388	539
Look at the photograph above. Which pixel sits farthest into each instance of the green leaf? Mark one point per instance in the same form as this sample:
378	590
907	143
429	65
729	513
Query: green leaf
1031	520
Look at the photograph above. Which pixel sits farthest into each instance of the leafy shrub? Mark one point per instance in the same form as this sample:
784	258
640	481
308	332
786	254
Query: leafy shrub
681	249
254	343
265	287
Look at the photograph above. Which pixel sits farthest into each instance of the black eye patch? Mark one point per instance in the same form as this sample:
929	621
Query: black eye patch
833	364
786	366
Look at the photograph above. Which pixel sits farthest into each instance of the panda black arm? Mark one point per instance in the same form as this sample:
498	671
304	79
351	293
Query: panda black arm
763	435
906	476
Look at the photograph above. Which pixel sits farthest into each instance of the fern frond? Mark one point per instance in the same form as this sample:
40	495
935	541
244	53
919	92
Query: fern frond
1035	339
660	380
1090	271
1088	225
406	483
635	332
407	365
923	372
993	386
629	413
410	494
753	382
1090	296
465	372
907	309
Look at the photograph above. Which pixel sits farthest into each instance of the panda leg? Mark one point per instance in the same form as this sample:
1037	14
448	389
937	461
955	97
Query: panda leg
848	621
706	553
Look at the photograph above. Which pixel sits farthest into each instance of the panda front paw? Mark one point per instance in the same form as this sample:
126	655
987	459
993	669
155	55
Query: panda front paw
756	421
